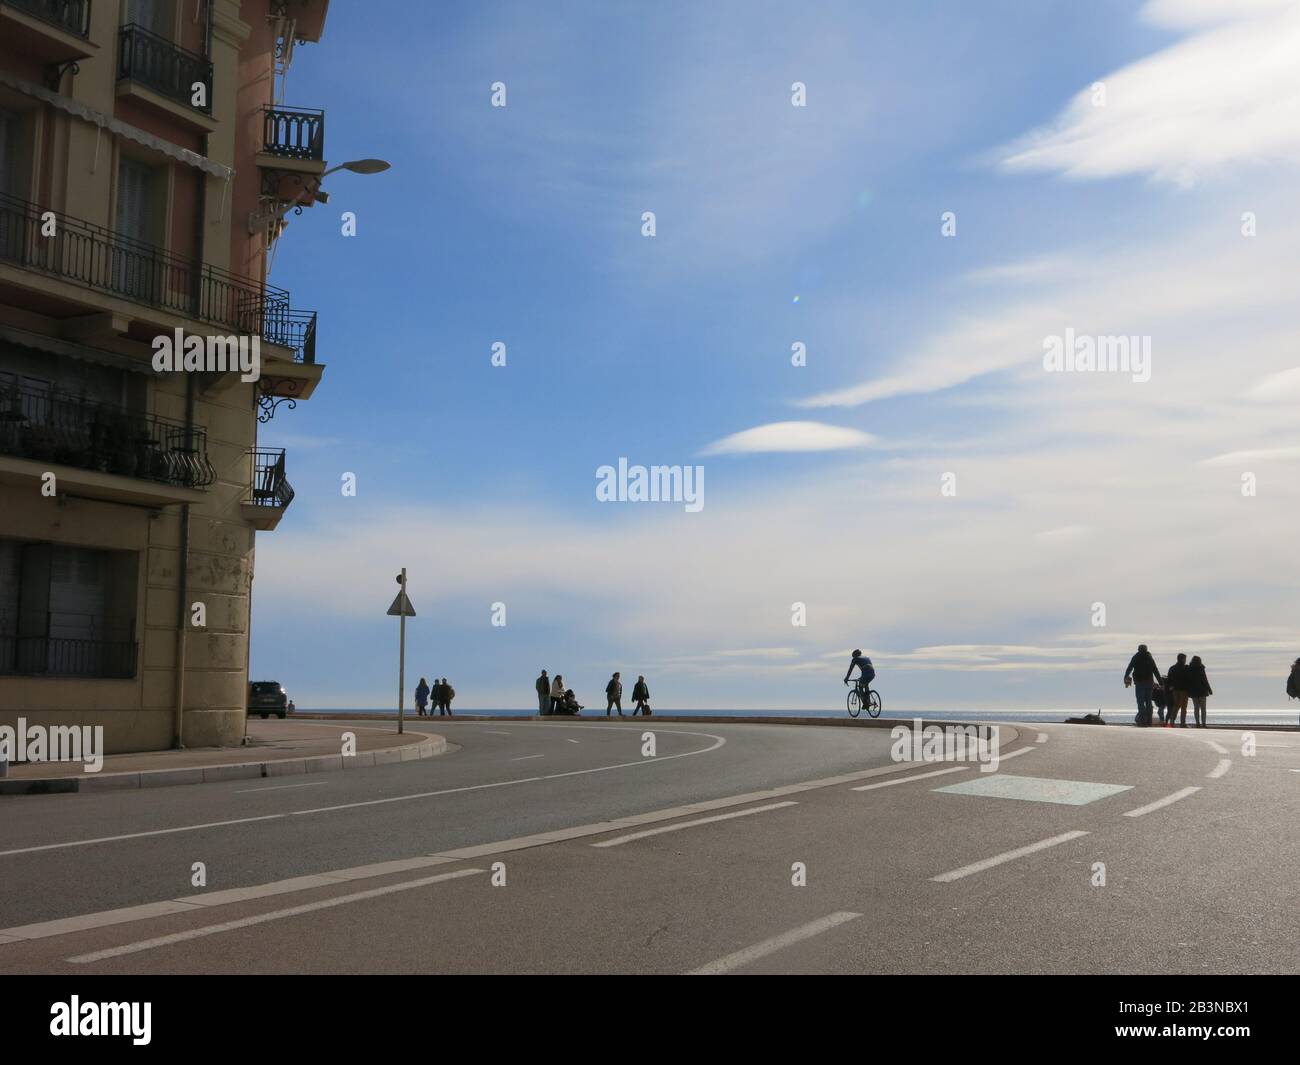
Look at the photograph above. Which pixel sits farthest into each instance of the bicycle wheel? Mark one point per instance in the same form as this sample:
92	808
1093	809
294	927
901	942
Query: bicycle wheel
855	703
873	707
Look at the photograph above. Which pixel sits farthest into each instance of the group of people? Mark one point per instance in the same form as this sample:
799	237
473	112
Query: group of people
554	699
1167	695
436	697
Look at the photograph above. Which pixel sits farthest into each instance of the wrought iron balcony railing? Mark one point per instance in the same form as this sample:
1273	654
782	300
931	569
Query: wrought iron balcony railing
270	487
60	428
293	132
111	262
72	16
167	68
67	645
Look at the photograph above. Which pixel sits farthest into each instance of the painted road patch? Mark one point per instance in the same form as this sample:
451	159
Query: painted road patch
1036	789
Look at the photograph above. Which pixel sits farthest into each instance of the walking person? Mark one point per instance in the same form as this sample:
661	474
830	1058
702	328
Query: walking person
448	694
1176	682
421	696
543	686
641	697
557	694
1198	687
1143	674
614	695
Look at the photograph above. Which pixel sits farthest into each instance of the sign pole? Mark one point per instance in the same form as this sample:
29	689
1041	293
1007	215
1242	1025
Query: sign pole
401	669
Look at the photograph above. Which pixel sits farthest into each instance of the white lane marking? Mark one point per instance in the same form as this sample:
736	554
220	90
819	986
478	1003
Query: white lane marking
187	903
771	946
494	732
999	859
262	918
1016	754
691	824
1280	746
281	787
1160	803
139	835
905	780
527	757
719	741
1042	737
1216	748
567	740
1224	765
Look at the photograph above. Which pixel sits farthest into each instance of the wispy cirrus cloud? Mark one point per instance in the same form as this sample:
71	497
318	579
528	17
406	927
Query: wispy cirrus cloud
1229	94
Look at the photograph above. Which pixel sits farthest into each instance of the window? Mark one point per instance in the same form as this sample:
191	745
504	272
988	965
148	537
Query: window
153	15
133	260
67	611
8	152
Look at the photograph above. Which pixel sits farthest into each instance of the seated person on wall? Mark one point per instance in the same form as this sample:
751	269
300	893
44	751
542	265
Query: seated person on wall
570	704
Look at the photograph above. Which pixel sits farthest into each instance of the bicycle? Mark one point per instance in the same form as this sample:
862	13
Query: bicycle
857	702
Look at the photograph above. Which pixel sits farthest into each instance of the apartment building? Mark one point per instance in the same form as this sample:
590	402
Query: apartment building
147	162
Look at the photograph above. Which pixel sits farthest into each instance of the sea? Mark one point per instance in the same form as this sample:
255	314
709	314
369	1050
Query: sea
1270	717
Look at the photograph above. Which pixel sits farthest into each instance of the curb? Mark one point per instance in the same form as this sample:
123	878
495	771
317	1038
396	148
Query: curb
429	747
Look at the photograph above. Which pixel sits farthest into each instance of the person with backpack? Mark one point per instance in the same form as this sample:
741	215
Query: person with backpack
1144	675
641	697
1198	687
543	686
614	695
1176	682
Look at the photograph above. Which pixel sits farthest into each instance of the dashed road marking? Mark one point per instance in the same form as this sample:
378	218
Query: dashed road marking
262	918
906	780
1161	803
1224	765
1000	859
619	840
771	946
282	787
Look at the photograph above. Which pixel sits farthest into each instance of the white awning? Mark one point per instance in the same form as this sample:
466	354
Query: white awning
116	125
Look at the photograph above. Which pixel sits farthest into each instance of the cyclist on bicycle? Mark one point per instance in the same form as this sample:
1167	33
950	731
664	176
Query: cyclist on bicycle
867	672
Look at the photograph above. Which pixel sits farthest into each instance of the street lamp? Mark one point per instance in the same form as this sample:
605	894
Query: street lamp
257	221
361	166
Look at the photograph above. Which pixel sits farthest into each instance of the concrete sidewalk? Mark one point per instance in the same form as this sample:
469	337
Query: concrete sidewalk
275	748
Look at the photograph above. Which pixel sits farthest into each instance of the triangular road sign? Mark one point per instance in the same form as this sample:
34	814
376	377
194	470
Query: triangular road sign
401	607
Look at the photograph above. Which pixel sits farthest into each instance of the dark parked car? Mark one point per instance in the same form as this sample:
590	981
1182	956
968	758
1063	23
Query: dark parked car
266	697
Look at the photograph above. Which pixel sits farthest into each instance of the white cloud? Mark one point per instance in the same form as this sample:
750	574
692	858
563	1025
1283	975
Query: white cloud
1262	454
1228	94
1284	385
790	436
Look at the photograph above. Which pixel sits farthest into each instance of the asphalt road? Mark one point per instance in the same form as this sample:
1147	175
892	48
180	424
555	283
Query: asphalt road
1198	840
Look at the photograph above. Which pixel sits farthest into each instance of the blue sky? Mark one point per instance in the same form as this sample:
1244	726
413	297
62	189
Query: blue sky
522	225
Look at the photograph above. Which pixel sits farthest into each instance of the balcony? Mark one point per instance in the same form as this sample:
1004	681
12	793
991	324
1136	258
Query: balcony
43	429
293	133
270	492
159	66
38	649
97	258
71	16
